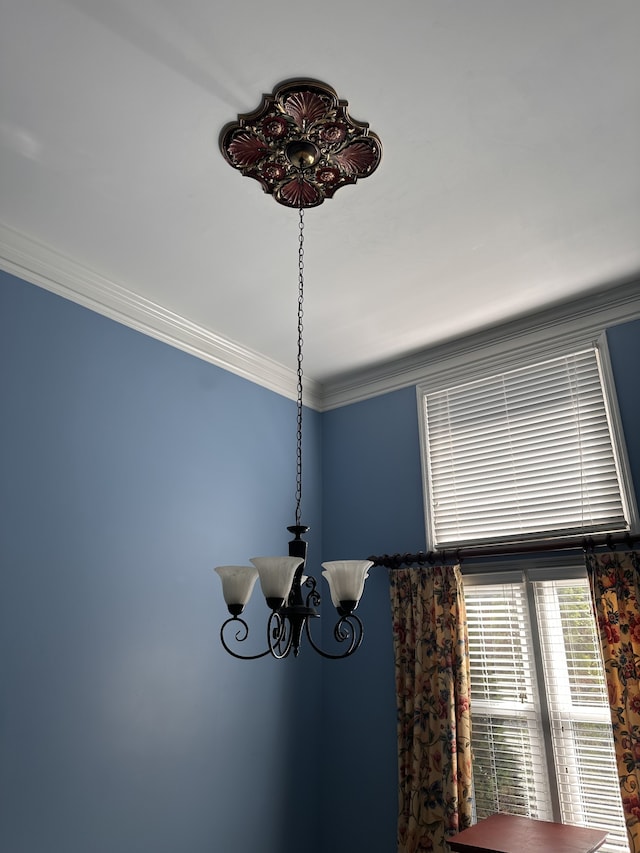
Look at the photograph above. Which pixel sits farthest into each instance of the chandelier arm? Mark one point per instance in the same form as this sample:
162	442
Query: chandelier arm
345	629
313	596
240	637
277	634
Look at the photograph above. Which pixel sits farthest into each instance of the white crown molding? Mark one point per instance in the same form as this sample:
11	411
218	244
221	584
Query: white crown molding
565	325
577	322
38	264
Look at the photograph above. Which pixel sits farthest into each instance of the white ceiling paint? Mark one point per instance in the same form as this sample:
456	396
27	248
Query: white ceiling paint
510	177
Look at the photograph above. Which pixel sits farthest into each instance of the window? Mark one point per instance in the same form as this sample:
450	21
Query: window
530	453
541	729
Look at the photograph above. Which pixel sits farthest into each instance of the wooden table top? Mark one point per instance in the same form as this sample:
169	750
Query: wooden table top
505	833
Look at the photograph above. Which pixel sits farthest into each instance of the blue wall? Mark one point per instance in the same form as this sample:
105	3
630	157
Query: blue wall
372	504
130	469
624	351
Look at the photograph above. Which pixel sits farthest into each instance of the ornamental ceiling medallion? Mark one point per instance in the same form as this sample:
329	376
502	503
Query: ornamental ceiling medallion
301	144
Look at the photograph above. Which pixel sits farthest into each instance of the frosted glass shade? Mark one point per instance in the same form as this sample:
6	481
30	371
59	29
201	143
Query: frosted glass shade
237	583
346	581
276	576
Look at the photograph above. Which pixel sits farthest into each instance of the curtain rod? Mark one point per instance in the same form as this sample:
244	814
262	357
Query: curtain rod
574	543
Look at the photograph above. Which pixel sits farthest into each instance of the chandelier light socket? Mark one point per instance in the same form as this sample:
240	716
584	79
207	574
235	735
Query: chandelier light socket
237	586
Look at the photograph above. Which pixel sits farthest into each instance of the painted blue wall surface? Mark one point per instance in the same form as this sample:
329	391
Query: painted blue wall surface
372	504
624	351
128	470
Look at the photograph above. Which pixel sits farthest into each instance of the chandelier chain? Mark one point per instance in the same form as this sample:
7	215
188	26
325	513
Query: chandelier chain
299	364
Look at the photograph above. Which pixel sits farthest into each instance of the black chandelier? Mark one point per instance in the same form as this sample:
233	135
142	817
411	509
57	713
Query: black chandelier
302	146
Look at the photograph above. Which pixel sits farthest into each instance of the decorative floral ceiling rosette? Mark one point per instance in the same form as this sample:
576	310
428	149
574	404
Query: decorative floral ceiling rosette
301	144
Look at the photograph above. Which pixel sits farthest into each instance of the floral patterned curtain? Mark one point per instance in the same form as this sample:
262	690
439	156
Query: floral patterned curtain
434	720
615	590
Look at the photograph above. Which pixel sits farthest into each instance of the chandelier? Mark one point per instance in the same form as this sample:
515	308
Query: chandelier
301	145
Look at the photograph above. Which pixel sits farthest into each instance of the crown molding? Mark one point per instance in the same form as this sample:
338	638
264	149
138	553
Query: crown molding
36	263
564	326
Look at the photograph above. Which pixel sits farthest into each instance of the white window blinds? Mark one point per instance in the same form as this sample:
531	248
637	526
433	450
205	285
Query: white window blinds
509	767
524	454
541	728
579	710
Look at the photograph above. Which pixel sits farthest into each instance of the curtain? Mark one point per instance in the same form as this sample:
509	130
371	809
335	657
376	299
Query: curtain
615	590
434	720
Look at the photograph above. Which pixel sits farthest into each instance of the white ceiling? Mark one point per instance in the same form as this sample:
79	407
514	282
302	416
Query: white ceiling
510	176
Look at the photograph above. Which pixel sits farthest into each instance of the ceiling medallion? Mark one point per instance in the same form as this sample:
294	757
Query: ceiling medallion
301	144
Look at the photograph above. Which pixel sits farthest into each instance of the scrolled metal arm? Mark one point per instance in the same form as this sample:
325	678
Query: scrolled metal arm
313	597
349	629
279	635
241	635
